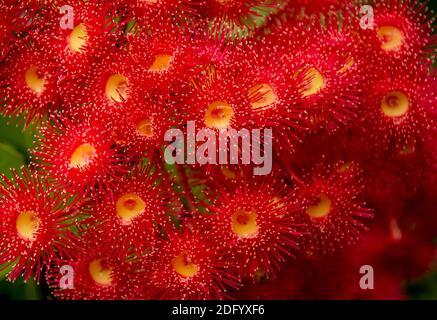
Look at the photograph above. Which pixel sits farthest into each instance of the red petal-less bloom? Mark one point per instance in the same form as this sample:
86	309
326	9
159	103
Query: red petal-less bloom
269	87
254	222
398	109
28	84
34	224
274	94
221	105
139	206
328	62
142	127
97	271
166	57
92	29
332	209
172	59
403	32
78	154
108	86
213	57
119	90
189	266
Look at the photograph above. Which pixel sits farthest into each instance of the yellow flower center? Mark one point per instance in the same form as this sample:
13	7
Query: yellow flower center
395	104
315	82
35	79
78	38
100	273
82	156
129	206
184	267
27	224
321	209
391	38
161	63
263	96
117	88
244	223
145	128
218	115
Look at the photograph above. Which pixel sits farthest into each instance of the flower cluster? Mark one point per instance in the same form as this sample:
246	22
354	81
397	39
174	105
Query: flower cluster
352	108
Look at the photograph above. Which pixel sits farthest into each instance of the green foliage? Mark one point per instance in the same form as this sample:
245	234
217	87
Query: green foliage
14	144
425	288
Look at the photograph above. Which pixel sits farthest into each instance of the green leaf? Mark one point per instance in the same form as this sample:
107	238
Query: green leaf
10	158
12	131
20	290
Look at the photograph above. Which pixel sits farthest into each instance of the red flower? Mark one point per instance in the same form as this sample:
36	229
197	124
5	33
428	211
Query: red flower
253	221
221	105
142	127
187	265
28	84
332	208
139	206
353	116
109	86
330	68
97	271
166	56
265	83
94	33
402	32
35	224
326	66
398	109
79	155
